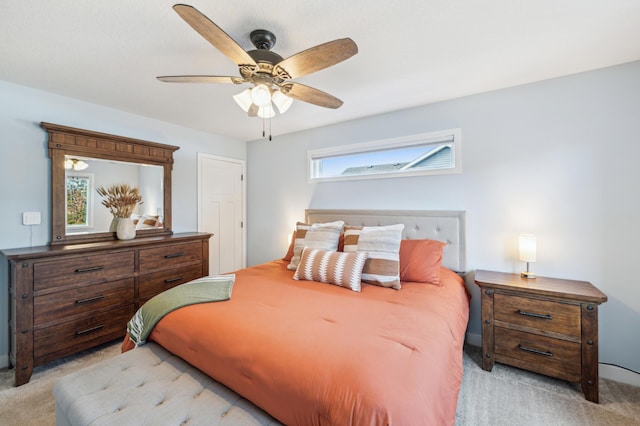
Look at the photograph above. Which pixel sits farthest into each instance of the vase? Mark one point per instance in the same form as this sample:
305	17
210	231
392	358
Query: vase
114	224
126	229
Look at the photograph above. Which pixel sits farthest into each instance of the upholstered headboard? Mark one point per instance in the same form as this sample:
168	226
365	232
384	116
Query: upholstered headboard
447	225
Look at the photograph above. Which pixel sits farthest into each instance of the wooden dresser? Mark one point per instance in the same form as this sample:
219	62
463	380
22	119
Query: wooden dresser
545	325
64	299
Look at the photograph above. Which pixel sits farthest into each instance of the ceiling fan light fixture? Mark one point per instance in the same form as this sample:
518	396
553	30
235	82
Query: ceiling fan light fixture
243	99
282	101
261	95
266	111
75	164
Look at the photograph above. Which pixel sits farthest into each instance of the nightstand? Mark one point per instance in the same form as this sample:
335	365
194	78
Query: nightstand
545	325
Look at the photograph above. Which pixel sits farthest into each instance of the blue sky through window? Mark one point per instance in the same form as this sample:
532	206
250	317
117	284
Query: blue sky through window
334	166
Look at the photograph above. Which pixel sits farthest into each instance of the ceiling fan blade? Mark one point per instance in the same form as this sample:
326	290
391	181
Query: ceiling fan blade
315	58
214	34
200	79
309	94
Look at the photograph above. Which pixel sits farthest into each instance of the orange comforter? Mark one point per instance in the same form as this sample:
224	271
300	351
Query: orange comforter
316	354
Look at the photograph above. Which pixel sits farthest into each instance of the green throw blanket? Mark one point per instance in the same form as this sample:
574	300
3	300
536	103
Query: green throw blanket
201	290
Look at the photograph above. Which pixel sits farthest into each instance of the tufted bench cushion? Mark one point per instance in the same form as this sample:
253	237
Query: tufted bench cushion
150	386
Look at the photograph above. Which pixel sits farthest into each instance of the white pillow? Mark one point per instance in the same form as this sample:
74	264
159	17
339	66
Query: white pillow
382	243
323	236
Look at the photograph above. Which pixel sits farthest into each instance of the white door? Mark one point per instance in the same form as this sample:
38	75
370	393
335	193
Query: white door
221	211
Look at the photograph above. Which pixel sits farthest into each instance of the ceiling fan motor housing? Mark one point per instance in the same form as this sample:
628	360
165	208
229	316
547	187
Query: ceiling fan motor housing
263	39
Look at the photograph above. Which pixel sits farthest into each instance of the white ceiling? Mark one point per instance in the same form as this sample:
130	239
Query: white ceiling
411	52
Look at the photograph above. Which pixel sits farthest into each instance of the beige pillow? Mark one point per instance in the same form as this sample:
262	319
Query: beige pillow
341	269
382	244
323	236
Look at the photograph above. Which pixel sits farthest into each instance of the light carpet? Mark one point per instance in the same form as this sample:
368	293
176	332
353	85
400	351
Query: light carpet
506	396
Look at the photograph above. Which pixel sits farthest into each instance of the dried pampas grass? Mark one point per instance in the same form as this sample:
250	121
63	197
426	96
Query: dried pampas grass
121	200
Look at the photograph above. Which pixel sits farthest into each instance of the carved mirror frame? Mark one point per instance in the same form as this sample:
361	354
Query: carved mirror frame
70	141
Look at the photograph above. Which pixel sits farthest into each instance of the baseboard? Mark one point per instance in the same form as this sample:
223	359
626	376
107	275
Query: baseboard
4	361
619	374
606	371
473	339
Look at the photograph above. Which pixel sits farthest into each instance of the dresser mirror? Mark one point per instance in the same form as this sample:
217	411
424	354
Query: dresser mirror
83	161
85	212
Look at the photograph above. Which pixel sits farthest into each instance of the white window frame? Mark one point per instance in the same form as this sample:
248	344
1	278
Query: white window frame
90	177
439	137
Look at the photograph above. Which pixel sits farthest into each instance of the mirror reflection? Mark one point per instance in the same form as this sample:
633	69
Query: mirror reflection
85	213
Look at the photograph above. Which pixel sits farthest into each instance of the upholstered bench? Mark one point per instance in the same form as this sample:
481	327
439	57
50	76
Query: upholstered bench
150	386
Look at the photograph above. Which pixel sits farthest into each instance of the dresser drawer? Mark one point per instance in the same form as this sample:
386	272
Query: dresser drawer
169	256
554	317
62	305
72	336
152	284
546	355
84	270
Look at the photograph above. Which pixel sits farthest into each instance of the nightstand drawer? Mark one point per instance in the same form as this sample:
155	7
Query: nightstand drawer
546	355
554	317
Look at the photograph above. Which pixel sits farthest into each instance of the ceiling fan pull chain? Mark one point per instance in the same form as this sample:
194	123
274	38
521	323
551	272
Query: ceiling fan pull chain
269	128
263	132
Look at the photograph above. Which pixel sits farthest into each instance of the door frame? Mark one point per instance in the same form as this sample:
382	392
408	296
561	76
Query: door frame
243	163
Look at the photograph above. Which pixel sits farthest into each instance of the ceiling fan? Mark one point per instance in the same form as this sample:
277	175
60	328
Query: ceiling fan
267	71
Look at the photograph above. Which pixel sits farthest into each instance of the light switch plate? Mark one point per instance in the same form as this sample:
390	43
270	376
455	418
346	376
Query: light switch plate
31	218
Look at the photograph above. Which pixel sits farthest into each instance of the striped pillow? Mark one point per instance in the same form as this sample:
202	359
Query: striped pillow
342	269
382	243
322	236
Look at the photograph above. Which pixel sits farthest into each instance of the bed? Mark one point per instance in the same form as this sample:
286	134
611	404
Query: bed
309	352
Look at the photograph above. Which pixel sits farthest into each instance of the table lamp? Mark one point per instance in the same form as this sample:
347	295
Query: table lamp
528	252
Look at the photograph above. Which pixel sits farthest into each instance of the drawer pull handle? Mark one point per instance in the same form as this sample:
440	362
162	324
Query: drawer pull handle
531	314
91	269
535	351
171	256
173	280
89	330
89	299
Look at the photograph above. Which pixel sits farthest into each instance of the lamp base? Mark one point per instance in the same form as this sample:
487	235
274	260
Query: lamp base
528	275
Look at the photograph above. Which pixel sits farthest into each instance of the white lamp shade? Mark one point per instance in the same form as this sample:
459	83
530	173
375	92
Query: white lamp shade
243	99
261	95
75	164
266	111
527	247
80	165
283	102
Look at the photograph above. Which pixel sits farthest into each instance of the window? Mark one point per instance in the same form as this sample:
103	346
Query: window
79	193
422	154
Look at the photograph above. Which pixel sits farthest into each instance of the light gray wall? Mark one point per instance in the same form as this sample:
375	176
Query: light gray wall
557	158
25	170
